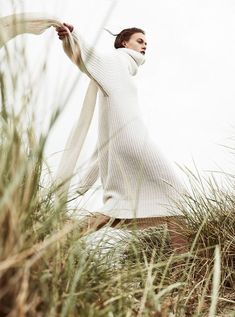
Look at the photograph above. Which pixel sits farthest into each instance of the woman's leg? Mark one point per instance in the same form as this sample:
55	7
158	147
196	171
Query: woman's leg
94	222
176	227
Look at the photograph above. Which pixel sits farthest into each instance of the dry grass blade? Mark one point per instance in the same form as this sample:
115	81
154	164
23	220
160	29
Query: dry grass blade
48	268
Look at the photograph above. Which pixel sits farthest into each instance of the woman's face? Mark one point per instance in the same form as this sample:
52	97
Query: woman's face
136	42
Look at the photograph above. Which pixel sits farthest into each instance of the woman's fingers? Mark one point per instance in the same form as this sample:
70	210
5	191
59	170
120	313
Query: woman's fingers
59	29
69	26
63	31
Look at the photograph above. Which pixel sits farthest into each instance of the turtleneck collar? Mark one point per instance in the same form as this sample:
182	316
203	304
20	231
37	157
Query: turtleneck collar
136	58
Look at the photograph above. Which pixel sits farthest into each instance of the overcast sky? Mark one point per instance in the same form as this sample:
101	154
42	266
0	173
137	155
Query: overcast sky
186	86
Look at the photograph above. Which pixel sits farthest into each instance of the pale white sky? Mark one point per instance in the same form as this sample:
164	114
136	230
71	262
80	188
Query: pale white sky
186	86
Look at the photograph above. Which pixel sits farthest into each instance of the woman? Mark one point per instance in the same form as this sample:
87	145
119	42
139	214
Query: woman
136	177
139	183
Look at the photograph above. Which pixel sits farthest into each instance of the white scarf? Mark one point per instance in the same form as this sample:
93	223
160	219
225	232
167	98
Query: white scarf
36	23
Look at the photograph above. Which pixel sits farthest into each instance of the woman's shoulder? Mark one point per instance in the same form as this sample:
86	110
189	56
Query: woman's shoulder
111	59
112	54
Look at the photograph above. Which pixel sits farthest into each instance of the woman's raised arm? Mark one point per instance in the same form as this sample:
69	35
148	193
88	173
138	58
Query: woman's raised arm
85	56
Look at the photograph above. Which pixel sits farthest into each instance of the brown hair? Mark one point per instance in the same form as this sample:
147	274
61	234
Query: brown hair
124	35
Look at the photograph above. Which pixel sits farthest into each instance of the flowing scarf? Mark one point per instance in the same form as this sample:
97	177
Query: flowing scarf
36	23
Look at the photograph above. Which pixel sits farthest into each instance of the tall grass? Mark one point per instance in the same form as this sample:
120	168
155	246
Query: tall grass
47	268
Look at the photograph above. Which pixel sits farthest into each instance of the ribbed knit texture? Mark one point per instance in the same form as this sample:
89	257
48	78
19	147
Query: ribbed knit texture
138	180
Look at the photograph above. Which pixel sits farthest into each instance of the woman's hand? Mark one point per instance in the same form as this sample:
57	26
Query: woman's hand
62	31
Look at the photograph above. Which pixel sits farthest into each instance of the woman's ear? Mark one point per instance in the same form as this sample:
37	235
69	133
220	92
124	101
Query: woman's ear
124	43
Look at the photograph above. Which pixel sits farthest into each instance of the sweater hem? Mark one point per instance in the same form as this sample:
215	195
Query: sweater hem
124	212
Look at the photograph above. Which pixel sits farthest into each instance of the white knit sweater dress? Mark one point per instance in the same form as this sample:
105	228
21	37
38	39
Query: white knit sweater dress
137	179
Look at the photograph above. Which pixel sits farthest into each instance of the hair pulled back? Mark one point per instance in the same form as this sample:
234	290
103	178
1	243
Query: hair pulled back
124	35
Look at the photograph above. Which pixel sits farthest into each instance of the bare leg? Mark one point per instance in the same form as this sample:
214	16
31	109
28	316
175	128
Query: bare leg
93	222
175	224
179	241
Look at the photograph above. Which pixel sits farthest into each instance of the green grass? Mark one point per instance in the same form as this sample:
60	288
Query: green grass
46	265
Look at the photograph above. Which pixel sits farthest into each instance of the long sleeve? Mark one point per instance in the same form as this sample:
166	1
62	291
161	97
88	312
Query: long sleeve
91	63
82	52
89	59
91	175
